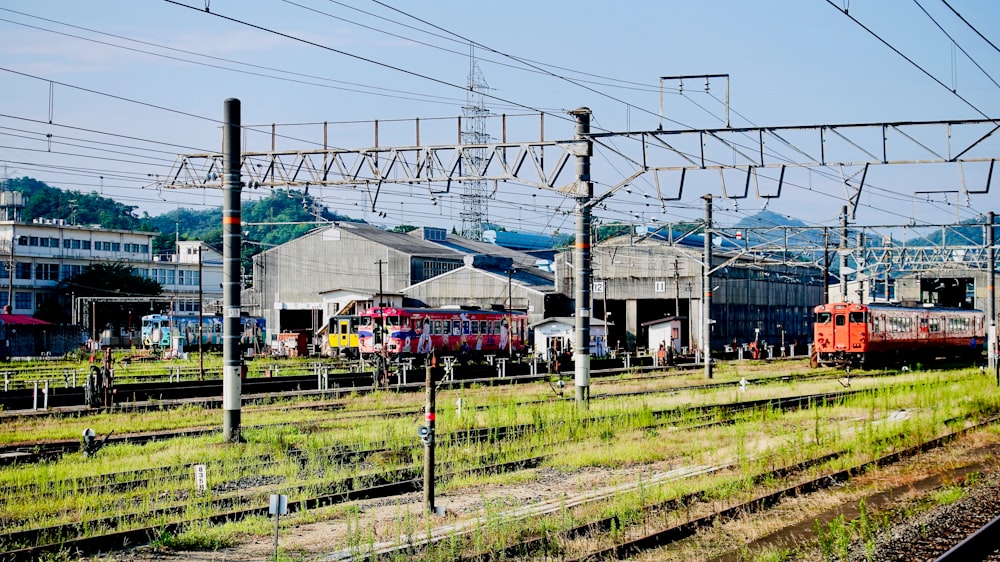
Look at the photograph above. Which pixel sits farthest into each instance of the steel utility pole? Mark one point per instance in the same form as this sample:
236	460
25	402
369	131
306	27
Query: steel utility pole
991	290
843	254
428	437
706	281
581	258
231	241
201	355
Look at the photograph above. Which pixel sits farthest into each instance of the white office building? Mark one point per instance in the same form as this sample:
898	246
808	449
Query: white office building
36	256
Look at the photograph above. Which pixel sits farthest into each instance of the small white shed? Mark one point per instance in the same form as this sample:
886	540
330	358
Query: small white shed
560	332
665	330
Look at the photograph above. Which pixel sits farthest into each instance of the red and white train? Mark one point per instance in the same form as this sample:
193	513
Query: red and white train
869	334
445	331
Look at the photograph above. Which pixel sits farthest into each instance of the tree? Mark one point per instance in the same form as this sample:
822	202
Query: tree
112	280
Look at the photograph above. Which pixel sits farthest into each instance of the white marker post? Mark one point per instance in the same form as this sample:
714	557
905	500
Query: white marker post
279	507
200	478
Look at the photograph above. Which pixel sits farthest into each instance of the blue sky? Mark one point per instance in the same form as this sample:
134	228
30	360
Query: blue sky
159	91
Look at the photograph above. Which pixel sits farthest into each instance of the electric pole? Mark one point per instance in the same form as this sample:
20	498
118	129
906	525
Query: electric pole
581	259
706	281
232	233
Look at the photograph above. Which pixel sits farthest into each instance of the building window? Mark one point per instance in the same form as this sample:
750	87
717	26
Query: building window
54	242
23	271
86	244
163	276
22	301
116	247
144	248
66	243
71	270
75	244
47	271
22	240
32	240
44	242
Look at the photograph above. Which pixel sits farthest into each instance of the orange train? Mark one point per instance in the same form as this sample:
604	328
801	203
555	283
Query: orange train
870	334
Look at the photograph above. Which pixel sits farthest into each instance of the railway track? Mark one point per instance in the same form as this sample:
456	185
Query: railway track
404	479
547	546
36	451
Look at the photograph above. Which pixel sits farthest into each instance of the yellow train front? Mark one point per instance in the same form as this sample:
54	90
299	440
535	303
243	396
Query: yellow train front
342	333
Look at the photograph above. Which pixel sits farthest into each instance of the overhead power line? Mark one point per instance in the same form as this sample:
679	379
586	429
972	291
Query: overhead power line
954	42
983	37
359	57
909	60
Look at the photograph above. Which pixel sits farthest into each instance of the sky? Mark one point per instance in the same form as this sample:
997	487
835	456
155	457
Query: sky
103	96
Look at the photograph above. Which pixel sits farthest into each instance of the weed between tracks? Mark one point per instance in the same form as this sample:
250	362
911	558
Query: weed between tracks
622	435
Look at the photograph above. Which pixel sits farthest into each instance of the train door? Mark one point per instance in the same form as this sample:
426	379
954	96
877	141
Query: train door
841	334
847	328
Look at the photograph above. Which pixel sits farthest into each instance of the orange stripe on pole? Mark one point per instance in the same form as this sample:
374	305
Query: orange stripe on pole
230	220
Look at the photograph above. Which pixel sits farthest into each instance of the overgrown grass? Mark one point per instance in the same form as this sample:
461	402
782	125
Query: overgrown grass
613	433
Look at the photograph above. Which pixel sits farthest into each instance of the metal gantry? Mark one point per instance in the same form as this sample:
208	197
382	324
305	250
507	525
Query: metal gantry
668	156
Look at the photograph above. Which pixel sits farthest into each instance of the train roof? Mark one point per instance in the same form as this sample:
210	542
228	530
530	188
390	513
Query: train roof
890	306
412	309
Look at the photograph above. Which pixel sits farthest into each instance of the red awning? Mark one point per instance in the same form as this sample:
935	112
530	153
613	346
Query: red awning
21	319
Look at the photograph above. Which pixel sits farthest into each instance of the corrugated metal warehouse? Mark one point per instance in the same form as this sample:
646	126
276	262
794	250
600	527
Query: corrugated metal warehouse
641	279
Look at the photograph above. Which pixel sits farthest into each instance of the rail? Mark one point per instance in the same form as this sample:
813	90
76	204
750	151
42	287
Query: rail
976	546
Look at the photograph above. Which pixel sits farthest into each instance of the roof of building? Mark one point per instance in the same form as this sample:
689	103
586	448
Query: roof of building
528	279
568	321
400	242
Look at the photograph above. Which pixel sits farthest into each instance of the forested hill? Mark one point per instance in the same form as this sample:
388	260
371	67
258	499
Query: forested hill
44	201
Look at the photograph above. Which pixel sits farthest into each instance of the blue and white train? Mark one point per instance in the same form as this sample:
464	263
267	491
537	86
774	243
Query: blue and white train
158	330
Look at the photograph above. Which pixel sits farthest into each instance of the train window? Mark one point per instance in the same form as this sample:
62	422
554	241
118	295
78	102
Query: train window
934	325
465	327
366	321
436	330
878	325
823	317
343	328
840	320
484	326
857	318
475	328
456	327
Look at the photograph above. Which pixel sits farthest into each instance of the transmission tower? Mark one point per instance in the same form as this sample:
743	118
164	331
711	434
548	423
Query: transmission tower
474	115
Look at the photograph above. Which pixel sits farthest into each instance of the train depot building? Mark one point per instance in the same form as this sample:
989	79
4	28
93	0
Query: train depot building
345	267
641	279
